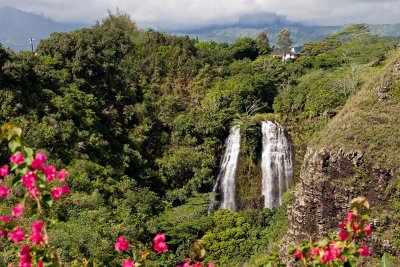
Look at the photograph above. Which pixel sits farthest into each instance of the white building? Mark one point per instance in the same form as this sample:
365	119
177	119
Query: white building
286	54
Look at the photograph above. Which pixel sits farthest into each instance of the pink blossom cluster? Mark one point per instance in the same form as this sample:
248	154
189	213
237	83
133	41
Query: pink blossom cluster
25	259
123	245
32	174
36	175
336	250
159	243
36	236
196	264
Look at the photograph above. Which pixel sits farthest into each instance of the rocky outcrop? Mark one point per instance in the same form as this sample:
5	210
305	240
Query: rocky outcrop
329	180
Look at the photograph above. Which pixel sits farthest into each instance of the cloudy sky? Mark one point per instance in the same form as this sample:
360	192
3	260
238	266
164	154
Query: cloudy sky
189	14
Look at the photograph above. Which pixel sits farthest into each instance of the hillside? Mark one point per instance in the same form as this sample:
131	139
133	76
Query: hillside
300	33
16	27
356	154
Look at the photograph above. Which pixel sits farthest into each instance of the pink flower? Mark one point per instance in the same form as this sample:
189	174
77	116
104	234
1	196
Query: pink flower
326	257
367	229
159	238
25	260
28	180
50	172
159	244
160	247
342	224
186	264
4	191
197	264
364	251
351	216
343	258
17	158
211	264
122	244
128	263
34	193
40	264
356	226
334	251
36	236
315	251
37	226
17	235
4	170
298	254
343	235
1	233
18	210
6	219
62	174
38	161
65	190
56	192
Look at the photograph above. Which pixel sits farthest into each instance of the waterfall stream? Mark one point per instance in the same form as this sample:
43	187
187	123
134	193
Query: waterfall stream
277	165
226	177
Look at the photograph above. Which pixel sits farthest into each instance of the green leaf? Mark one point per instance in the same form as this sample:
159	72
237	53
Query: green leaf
28	152
13	145
291	251
11	129
323	243
13	166
272	257
384	260
15	180
365	216
50	202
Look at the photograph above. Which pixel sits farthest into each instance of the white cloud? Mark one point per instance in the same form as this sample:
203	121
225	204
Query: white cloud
197	13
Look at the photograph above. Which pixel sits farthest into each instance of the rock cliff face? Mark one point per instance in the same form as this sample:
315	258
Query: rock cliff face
357	154
329	181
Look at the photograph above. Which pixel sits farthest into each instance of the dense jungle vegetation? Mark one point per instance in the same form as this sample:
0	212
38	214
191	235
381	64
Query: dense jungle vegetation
139	119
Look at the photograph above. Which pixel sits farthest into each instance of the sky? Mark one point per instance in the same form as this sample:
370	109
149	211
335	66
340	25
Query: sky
192	14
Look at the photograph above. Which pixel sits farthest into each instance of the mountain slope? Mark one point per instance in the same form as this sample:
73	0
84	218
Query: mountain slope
300	33
16	27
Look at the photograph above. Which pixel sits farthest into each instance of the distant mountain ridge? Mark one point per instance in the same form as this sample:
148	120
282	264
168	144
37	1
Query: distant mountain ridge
300	33
16	27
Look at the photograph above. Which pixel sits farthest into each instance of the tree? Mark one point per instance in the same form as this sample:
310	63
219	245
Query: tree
263	45
244	48
283	39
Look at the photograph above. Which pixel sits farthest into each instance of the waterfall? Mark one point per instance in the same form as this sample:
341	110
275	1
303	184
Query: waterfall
226	177
276	162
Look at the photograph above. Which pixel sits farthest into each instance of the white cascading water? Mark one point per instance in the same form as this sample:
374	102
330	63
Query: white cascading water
276	162
226	177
